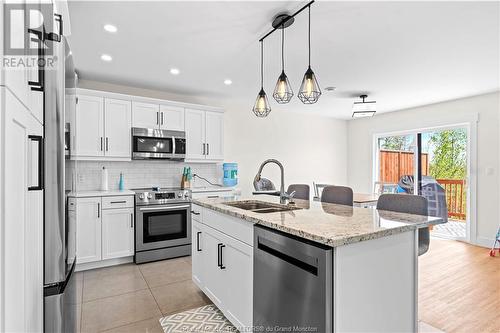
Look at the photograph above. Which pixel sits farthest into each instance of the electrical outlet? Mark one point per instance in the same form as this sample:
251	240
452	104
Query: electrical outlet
81	178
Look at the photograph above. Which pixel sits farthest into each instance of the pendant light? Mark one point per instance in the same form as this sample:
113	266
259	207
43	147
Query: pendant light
309	89
283	92
261	107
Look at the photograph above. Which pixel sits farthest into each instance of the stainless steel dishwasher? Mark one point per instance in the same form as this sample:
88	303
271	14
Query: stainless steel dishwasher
293	286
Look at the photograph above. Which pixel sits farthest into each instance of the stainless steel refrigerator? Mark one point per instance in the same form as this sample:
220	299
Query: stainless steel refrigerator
59	235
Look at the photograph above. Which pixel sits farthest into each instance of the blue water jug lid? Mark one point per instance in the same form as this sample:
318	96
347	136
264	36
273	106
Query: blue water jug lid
230	165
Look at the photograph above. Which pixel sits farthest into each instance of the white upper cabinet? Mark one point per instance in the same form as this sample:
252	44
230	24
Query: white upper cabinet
101	126
171	118
145	115
195	134
102	129
117	128
89	130
204	135
214	129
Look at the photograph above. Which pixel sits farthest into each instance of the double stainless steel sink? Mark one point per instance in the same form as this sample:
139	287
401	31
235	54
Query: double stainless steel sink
262	207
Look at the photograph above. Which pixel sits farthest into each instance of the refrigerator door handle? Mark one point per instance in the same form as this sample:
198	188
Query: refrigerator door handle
35	176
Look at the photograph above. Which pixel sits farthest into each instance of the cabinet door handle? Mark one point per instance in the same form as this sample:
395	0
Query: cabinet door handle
38	141
218	255
203	145
162	118
39	84
198	241
221	263
157	118
101	143
98	210
107	143
117	202
195	213
132	220
208	149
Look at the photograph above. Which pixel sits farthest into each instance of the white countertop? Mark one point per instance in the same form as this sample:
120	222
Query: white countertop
86	194
212	189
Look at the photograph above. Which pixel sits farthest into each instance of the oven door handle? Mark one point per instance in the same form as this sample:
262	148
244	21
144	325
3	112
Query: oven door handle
164	208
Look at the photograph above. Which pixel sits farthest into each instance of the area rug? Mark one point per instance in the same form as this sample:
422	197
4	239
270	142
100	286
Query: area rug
205	319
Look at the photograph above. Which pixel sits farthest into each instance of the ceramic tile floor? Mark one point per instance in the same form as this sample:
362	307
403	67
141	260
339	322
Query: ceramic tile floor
132	298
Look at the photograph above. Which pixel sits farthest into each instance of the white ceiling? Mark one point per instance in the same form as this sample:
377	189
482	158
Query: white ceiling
403	54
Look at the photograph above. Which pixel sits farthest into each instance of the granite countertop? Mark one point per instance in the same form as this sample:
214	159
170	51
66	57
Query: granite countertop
329	224
86	194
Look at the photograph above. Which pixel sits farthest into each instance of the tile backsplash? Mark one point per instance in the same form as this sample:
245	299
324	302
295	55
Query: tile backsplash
86	175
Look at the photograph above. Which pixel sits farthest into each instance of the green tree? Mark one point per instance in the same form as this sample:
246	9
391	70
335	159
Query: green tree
401	143
449	154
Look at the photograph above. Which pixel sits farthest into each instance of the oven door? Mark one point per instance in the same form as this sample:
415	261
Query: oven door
144	147
162	226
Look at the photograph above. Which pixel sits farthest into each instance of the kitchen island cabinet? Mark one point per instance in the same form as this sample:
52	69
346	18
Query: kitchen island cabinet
371	274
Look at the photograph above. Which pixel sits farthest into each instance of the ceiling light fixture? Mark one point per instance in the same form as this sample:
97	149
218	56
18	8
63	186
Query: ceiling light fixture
283	92
261	107
174	71
309	89
364	109
228	82
106	57
110	28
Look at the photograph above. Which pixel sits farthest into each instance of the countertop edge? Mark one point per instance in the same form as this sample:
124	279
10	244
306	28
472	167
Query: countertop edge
88	194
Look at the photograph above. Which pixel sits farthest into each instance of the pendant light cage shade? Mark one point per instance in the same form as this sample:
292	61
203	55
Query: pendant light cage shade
261	107
283	92
309	89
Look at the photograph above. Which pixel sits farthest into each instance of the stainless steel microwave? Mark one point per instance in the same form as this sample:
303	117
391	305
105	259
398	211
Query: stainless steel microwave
148	143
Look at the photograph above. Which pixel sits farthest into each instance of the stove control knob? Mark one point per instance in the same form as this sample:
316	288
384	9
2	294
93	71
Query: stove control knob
179	195
150	195
141	196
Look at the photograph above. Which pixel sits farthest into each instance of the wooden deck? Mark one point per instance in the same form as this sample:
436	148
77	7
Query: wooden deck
459	288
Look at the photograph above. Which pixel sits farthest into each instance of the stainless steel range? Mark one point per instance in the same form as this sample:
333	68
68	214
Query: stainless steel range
163	223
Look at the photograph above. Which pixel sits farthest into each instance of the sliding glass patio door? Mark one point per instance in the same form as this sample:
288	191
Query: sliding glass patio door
432	163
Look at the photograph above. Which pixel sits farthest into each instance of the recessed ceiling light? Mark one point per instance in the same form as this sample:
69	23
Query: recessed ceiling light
110	28
331	88
174	71
106	57
228	82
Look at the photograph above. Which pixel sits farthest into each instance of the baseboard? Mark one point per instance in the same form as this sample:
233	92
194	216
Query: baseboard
484	242
103	263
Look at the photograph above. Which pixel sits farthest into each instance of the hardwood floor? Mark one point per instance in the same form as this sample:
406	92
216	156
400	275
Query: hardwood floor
459	288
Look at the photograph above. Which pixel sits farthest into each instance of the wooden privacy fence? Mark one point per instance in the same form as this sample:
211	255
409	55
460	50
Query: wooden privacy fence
455	197
394	164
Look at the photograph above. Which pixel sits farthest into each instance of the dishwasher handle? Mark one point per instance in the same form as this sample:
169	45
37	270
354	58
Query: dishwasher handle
295	258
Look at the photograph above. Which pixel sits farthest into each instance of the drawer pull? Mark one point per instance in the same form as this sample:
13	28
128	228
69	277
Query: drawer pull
118	202
198	241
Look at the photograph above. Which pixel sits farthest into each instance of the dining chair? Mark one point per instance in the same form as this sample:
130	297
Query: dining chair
411	204
301	191
340	195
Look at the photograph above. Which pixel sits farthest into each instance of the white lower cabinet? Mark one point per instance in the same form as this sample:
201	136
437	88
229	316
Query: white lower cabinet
104	234
88	229
223	268
21	234
117	233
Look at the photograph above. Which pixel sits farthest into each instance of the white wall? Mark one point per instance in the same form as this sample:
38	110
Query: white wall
312	148
487	107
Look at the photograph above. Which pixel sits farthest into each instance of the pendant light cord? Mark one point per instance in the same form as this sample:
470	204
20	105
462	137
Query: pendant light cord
282	48
309	35
262	64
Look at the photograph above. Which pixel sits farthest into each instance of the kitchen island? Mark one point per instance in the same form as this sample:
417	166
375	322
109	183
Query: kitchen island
322	267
